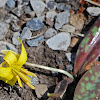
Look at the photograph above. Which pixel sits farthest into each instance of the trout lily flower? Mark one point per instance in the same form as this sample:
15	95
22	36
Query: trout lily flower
11	69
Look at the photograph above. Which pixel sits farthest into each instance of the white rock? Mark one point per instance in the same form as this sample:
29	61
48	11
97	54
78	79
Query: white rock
93	11
15	38
68	55
26	33
3	30
51	14
68	28
60	41
62	18
40	89
2	3
38	6
50	32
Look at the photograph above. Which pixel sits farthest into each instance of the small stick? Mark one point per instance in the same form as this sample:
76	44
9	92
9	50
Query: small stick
50	69
92	2
35	36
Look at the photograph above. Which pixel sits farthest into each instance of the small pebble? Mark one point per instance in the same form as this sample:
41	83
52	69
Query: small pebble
34	24
35	42
15	27
68	28
38	6
34	80
60	6
68	55
27	9
40	90
67	8
69	68
51	5
62	18
93	11
74	41
15	38
11	3
26	33
3	30
48	1
50	32
60	41
1	58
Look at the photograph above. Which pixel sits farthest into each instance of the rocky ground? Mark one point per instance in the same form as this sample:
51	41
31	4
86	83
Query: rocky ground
51	31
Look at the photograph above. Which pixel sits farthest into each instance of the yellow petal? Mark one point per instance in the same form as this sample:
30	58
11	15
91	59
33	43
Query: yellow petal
6	73
25	71
19	81
23	56
30	85
23	77
10	58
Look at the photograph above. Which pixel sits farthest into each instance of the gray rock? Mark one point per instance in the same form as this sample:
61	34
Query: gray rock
69	68
11	3
27	9
60	41
68	55
3	30
48	1
62	0
34	80
68	28
9	18
62	18
41	18
67	8
26	33
50	15
60	6
2	3
15	27
40	89
15	38
51	5
35	42
38	6
50	32
93	11
34	24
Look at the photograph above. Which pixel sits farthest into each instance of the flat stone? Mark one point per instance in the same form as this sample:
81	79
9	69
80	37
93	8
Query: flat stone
35	42
68	28
67	8
26	33
50	32
11	3
61	41
2	3
3	30
38	6
93	11
34	24
77	20
40	89
48	1
3	14
15	38
62	18
51	5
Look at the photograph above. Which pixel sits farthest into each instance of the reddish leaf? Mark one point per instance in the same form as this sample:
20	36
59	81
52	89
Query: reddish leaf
88	45
89	85
60	89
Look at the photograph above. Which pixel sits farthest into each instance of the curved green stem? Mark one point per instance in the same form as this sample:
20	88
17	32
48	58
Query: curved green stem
50	69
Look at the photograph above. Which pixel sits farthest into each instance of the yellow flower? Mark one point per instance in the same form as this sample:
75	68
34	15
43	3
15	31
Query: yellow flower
11	69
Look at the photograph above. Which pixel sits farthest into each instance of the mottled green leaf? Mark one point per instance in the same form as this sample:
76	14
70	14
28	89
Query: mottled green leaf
89	85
